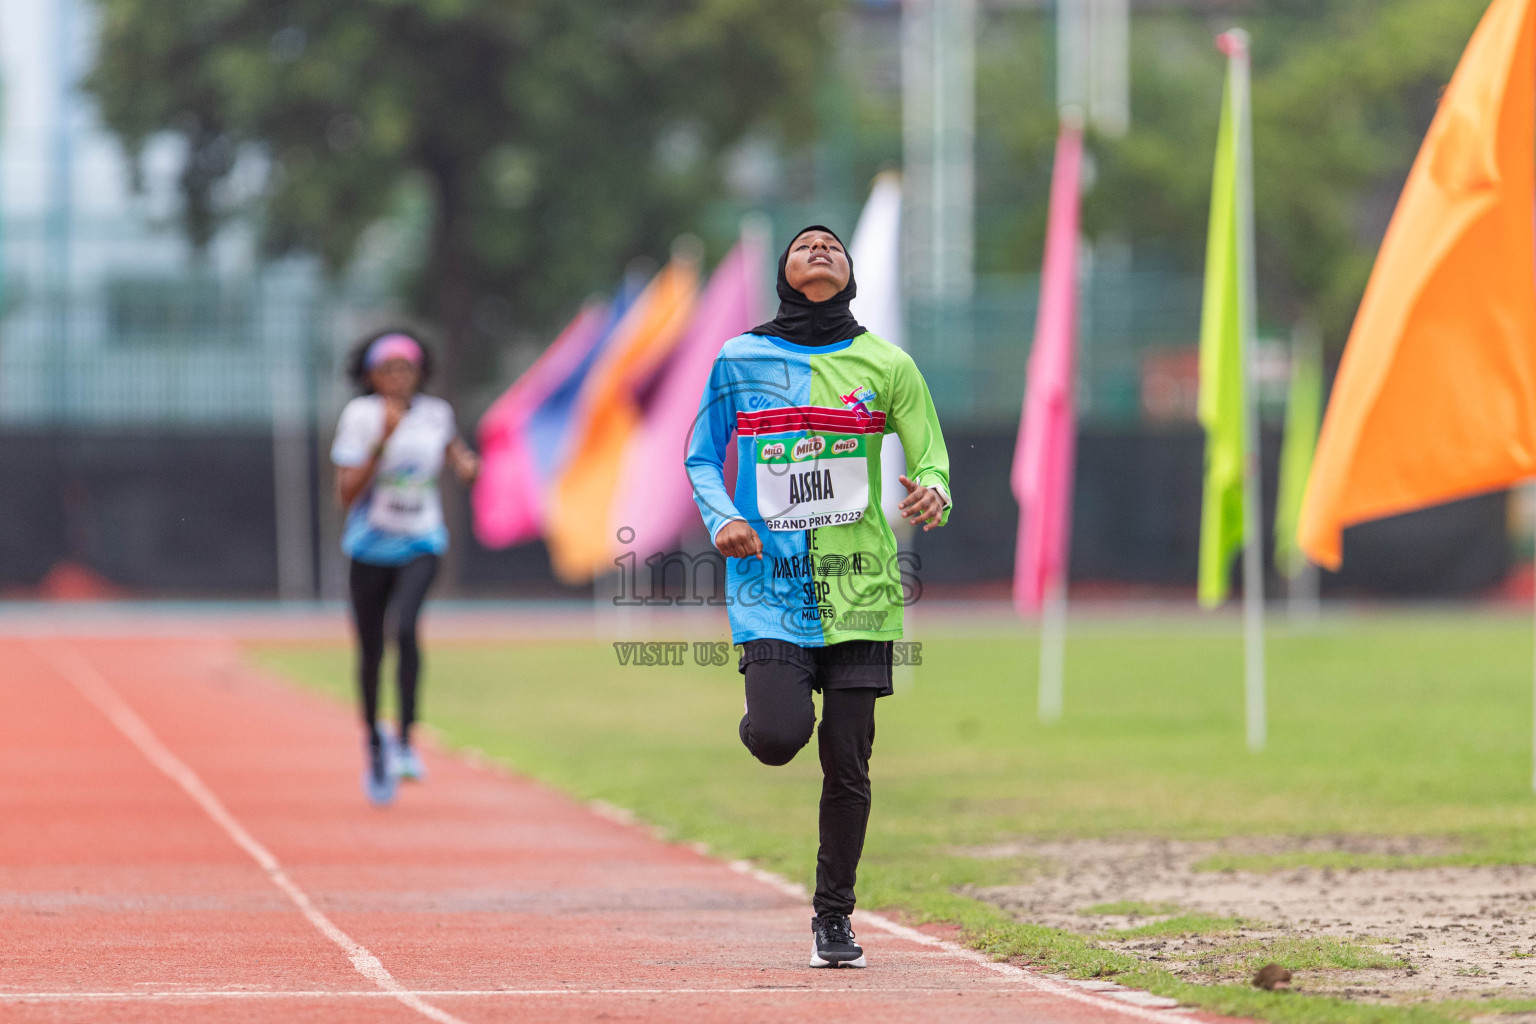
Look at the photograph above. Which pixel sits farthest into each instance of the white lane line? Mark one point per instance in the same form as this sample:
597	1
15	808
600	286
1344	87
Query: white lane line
535	993
94	687
1027	978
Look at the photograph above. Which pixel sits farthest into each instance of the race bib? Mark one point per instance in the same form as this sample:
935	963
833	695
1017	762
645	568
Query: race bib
810	482
404	505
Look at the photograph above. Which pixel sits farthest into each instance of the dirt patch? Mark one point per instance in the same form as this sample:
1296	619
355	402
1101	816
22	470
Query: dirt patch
1451	932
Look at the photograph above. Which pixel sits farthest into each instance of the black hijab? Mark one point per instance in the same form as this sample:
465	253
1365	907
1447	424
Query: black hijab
812	323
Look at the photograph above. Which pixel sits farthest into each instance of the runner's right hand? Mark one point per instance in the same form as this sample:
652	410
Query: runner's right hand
394	411
738	540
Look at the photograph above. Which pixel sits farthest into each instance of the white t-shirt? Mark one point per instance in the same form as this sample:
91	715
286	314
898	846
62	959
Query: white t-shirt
403	498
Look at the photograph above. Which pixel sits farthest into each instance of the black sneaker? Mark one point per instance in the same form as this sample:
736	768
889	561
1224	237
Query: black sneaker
833	945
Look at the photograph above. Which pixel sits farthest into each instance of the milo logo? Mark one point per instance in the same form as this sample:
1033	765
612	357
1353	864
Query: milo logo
773	451
808	448
845	444
866	620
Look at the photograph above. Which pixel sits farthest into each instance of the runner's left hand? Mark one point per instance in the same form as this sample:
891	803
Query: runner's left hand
468	467
466	464
921	505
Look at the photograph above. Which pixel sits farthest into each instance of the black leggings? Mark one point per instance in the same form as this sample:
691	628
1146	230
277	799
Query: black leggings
374	588
779	720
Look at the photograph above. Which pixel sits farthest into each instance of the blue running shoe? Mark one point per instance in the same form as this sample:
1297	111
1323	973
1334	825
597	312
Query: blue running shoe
408	764
379	778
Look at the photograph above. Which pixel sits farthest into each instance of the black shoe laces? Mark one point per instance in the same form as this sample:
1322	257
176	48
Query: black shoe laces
835	928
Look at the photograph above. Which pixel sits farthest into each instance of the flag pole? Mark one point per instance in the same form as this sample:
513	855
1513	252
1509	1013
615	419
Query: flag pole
1041	477
1053	653
1051	688
1253	537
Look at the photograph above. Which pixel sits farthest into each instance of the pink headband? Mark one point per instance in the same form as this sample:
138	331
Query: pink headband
393	346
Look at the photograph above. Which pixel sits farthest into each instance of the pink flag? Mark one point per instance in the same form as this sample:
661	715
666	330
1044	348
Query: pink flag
654	497
510	492
1043	457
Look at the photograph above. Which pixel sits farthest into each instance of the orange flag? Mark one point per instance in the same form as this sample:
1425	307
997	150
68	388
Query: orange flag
576	525
1436	396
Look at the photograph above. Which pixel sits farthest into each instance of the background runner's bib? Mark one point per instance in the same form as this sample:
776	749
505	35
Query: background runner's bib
804	483
405	504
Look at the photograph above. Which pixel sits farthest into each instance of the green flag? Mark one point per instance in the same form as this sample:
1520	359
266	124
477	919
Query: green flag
1223	316
1303	411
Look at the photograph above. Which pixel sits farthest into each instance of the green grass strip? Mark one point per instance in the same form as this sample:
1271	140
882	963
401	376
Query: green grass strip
1131	908
1183	924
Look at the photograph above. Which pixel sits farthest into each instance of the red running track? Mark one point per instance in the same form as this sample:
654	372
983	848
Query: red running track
183	839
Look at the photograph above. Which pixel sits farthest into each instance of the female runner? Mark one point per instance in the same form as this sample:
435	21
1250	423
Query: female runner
812	571
390	448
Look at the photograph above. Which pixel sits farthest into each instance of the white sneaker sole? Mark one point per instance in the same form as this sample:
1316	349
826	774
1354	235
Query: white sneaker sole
407	769
817	961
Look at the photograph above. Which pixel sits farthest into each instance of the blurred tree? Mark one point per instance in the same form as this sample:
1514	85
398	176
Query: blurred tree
553	139
1343	94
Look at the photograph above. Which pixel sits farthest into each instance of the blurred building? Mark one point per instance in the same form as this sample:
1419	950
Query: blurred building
148	393
110	318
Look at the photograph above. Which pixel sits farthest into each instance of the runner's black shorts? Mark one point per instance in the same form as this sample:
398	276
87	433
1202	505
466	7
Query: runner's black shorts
850	665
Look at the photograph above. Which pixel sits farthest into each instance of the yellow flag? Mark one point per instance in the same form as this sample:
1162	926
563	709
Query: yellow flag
1223	317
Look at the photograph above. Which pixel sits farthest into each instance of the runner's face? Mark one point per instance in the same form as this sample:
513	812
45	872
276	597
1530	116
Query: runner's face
395	378
817	266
